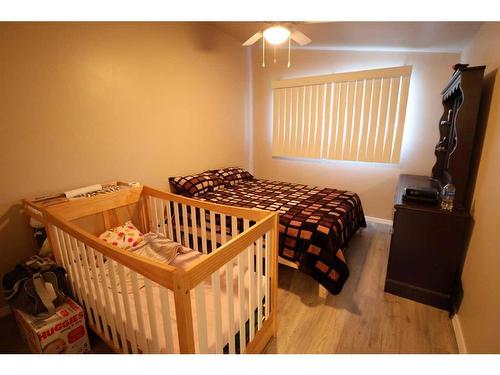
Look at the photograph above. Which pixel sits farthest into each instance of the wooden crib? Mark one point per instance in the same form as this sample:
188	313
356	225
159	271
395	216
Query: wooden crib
222	302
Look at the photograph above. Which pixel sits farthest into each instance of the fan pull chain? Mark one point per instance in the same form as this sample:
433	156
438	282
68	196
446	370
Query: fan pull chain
263	52
289	48
275	53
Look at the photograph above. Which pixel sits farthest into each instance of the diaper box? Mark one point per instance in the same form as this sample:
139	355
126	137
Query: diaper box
62	332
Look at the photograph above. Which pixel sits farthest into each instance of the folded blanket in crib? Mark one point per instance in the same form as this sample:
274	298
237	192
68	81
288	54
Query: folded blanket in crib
156	247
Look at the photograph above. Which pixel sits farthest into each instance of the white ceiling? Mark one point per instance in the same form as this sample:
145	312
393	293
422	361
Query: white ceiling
408	36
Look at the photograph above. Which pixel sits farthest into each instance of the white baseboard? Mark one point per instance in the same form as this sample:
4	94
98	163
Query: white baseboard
457	328
378	220
4	311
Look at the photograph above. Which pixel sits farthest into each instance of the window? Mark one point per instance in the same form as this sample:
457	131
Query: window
346	116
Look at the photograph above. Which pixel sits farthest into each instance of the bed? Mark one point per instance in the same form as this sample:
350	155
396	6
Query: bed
315	223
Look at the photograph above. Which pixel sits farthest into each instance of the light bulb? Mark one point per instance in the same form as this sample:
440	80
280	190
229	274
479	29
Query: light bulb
276	34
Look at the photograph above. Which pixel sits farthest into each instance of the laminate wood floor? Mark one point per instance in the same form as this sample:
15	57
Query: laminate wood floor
362	318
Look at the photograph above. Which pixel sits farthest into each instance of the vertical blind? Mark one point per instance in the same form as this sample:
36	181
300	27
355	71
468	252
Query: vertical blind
346	116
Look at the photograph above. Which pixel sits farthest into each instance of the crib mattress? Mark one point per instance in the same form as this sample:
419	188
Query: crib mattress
183	261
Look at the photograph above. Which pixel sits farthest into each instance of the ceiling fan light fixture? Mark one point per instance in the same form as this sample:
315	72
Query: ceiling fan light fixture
276	34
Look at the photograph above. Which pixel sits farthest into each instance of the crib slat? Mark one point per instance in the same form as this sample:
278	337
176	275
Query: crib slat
251	304
223	229
259	283
152	316
217	309
126	304
213	231
66	264
161	216
153	217
203	231
241	299
76	266
167	325
230	306
154	212
251	291
77	280
229	289
82	254
185	225
194	228
169	221
105	289
267	280
157	215
234	226
241	287
100	306
77	284
138	312
246	224
177	223
216	287
201	317
116	303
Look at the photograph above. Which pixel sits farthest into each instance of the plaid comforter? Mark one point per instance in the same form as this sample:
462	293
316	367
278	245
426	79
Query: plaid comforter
315	223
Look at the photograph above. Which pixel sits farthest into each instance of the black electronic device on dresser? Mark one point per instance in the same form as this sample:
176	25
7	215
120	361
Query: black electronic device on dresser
428	244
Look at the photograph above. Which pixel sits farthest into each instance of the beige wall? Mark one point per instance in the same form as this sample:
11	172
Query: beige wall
479	314
375	183
87	103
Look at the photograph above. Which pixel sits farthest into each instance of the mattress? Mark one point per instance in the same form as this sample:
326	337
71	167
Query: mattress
315	223
183	261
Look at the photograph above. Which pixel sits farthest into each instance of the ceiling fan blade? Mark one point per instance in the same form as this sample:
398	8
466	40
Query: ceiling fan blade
254	38
300	38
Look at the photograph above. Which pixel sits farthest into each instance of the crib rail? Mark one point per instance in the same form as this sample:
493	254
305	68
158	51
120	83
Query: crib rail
120	290
103	278
160	273
246	309
238	247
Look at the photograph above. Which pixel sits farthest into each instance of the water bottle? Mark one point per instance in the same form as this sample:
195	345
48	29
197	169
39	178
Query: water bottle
447	197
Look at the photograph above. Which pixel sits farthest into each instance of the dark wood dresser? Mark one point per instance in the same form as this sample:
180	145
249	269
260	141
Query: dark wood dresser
428	243
427	249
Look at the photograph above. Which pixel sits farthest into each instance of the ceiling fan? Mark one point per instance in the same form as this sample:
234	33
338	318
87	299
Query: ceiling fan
277	33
